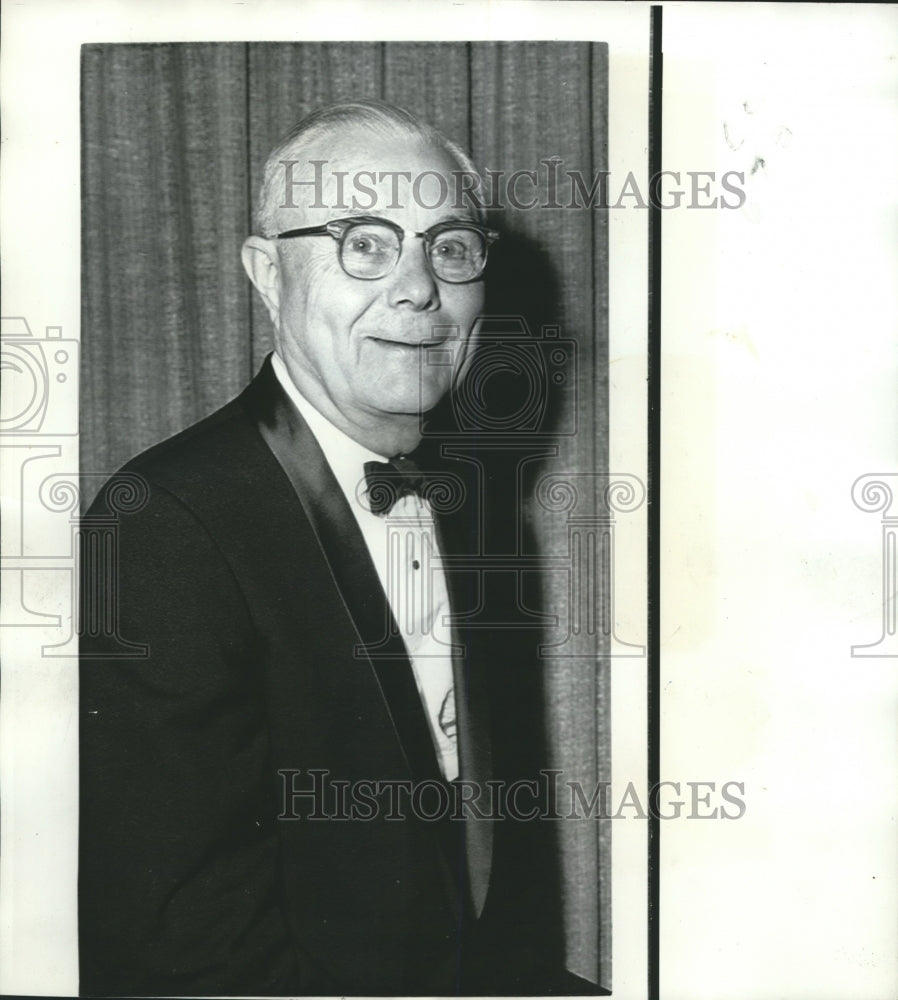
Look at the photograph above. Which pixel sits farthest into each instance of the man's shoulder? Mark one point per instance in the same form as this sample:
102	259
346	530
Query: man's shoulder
214	462
197	448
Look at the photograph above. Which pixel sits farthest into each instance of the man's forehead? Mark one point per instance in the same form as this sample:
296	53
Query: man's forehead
364	153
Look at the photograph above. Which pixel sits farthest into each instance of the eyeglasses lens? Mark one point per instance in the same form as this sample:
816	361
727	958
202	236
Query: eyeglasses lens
369	251
457	254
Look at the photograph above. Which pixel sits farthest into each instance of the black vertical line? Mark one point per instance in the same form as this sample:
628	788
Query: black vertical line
593	231
84	219
469	52
597	465
654	497
247	119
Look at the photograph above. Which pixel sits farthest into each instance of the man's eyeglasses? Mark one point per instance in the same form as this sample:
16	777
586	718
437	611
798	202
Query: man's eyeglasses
369	248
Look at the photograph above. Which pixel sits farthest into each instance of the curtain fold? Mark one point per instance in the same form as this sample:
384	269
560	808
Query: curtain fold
164	188
174	137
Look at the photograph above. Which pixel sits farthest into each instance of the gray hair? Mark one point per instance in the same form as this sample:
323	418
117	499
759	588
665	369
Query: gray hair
378	117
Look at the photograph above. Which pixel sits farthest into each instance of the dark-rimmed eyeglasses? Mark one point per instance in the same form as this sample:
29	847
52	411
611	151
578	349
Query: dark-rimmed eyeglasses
368	247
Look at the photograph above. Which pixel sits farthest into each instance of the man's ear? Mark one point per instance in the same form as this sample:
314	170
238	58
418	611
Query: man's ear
260	261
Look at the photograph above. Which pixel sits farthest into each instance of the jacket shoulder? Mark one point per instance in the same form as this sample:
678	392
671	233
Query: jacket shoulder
213	462
198	448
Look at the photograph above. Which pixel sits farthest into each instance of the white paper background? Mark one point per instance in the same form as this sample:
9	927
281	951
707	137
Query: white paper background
780	382
779	390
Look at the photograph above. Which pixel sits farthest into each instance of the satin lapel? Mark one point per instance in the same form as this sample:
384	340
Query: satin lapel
472	709
380	645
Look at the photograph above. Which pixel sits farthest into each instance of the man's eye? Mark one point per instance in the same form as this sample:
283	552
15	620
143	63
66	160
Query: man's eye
451	249
366	245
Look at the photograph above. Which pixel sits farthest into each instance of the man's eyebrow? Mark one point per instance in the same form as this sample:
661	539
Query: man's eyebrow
351	213
467	217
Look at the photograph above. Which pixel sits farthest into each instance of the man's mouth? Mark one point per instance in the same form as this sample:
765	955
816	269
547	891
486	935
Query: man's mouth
411	346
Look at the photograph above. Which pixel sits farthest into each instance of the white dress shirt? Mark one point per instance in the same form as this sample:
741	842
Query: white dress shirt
404	549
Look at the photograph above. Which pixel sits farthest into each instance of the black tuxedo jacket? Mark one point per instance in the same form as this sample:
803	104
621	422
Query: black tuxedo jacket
245	579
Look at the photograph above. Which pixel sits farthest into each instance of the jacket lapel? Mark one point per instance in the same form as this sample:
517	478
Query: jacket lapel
297	451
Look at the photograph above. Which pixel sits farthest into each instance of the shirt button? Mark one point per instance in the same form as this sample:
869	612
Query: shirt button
415	564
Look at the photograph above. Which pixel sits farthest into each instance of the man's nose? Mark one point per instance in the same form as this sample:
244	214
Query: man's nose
411	283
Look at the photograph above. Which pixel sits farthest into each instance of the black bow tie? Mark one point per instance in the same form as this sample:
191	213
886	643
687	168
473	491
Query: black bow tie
388	481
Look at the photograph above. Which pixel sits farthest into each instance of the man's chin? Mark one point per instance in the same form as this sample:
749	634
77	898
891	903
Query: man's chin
414	402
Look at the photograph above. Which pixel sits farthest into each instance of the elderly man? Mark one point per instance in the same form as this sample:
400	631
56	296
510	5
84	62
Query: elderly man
270	796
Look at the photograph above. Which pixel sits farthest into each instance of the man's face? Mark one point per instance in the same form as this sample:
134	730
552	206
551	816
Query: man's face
362	343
